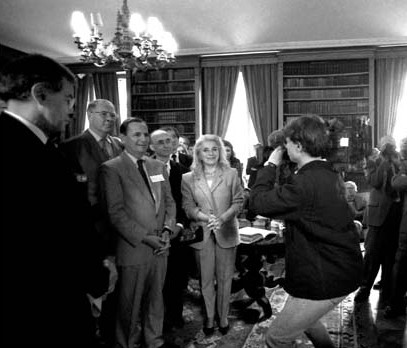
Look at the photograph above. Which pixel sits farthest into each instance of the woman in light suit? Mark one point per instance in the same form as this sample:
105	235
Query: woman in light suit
213	197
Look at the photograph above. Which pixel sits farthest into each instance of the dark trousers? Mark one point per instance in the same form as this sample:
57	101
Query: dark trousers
381	245
107	319
179	268
399	274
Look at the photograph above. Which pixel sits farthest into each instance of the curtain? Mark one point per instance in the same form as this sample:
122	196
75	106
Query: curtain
106	87
84	86
390	76
262	98
219	87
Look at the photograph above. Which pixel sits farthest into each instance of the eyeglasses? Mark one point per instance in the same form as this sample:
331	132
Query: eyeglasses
163	142
105	114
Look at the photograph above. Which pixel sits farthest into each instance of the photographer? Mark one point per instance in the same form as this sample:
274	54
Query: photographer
319	231
383	219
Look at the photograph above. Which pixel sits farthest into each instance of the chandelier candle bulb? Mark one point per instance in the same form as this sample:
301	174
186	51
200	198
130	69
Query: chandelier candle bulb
80	26
99	20
137	24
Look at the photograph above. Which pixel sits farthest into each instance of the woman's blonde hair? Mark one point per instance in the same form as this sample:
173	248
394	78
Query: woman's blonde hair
197	166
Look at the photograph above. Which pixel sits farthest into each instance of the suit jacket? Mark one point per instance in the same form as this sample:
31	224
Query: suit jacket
382	194
132	210
175	178
86	156
185	160
224	197
48	253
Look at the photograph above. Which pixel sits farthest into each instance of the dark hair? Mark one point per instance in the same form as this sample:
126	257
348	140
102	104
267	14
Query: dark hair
227	143
173	129
317	137
125	124
276	139
18	76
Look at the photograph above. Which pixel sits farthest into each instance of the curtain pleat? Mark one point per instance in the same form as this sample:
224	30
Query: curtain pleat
107	87
262	97
391	74
83	90
219	87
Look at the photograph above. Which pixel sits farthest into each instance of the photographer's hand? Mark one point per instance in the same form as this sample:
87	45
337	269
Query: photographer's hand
276	157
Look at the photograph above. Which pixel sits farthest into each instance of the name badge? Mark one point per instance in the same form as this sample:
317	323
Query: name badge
157	178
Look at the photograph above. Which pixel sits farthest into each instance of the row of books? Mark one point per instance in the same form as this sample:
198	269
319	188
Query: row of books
165	74
164	102
168	116
326	67
326	93
185	86
184	129
326	107
327	81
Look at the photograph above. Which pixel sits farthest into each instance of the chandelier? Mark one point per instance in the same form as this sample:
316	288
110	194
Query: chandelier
136	44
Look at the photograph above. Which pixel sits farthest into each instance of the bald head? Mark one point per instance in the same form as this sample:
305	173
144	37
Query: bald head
160	143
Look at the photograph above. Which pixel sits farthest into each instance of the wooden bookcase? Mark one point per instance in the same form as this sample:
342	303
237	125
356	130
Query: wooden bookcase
341	89
167	97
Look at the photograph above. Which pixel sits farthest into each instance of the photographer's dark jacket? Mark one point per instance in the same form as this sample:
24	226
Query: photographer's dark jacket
323	257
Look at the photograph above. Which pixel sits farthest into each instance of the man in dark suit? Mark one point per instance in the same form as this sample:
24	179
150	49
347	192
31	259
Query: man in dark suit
383	220
181	257
142	211
86	152
48	261
185	160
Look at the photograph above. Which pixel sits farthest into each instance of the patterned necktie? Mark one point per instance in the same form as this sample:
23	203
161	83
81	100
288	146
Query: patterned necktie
107	149
144	175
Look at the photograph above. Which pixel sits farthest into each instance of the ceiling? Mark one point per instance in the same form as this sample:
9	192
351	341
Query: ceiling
213	26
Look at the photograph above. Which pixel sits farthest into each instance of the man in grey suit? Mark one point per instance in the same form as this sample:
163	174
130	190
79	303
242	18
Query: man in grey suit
86	152
142	211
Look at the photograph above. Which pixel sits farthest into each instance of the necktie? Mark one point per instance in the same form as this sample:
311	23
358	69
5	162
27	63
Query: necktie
106	147
144	175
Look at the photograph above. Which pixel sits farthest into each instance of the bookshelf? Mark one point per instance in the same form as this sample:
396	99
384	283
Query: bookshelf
341	89
167	97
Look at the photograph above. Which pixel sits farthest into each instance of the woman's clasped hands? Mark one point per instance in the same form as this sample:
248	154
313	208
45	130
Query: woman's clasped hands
214	222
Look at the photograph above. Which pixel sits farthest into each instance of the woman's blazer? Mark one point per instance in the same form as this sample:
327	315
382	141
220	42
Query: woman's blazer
224	199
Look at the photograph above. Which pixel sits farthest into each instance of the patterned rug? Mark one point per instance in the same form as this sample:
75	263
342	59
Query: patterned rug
244	331
339	322
241	317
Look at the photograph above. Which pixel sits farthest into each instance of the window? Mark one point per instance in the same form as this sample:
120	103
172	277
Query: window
240	130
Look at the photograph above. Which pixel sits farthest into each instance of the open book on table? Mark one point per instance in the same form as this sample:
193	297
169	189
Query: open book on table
249	235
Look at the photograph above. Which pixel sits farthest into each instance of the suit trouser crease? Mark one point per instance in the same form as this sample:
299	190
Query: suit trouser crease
140	304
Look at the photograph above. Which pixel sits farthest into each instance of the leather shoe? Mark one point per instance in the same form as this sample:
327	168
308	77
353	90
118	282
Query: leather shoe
224	329
208	331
